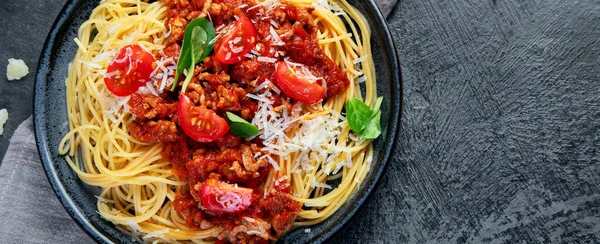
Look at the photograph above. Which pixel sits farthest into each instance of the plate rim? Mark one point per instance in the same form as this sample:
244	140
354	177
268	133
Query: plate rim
43	72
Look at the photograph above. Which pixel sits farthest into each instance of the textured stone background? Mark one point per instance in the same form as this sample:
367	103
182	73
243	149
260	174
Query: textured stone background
24	25
500	133
499	140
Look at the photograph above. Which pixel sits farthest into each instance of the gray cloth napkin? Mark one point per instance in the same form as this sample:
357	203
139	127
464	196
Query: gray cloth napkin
29	210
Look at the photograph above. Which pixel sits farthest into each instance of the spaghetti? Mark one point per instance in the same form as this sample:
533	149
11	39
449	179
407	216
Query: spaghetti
307	146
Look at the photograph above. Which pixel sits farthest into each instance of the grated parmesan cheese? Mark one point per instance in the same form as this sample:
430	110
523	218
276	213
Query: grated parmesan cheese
325	4
254	232
269	4
314	183
113	28
16	69
276	39
114	106
104	200
359	59
165	67
3	119
134	227
266	59
315	139
155	234
362	79
90	65
274	24
316	204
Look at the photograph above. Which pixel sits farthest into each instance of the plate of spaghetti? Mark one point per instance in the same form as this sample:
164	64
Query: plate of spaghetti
228	121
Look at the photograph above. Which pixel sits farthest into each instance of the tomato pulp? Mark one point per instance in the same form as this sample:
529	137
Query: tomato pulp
199	123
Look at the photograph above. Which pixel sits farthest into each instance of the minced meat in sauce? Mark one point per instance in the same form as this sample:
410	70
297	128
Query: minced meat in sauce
223	88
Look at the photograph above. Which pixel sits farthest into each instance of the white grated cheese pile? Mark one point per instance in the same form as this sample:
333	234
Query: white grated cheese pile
16	69
3	119
314	141
114	105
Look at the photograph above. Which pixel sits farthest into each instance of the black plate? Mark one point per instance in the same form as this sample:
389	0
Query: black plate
50	115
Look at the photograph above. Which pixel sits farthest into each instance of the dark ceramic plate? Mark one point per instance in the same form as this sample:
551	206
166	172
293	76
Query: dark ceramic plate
78	199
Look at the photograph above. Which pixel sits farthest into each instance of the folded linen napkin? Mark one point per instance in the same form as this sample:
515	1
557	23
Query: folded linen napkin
29	209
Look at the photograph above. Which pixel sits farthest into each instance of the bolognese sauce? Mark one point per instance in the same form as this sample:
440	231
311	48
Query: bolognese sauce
224	177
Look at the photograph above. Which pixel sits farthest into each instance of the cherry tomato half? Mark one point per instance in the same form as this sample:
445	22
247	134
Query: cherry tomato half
221	197
296	86
236	42
129	70
200	124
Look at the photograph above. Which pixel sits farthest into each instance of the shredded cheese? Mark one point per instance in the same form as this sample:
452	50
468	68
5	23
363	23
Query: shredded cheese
359	59
16	69
266	59
3	119
315	139
155	234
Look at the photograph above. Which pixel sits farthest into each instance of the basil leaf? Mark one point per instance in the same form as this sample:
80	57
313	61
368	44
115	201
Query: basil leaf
240	127
187	59
358	114
373	129
210	35
364	121
376	106
198	41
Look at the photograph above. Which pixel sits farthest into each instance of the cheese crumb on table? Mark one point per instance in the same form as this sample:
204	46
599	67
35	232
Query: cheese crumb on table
16	69
3	119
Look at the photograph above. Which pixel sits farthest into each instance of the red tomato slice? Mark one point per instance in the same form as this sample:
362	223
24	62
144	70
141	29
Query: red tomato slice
129	70
236	42
218	196
296	86
200	124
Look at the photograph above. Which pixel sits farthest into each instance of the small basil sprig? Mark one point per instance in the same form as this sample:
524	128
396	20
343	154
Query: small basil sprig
240	127
196	46
363	120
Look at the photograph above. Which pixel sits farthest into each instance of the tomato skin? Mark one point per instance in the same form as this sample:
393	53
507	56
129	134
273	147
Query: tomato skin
242	28
129	70
200	124
298	88
214	190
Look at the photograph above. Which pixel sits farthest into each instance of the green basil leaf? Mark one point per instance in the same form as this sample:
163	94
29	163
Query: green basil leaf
373	129
210	35
240	127
364	121
376	106
186	57
358	114
198	41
